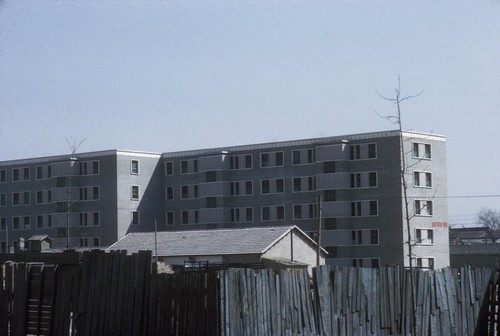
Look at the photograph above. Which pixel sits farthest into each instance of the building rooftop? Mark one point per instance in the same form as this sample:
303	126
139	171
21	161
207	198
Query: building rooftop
475	249
255	240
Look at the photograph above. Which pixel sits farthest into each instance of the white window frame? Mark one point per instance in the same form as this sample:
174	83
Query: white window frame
134	167
133	195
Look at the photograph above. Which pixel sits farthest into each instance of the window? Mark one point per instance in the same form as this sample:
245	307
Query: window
3	223
423	208
184	167
249	214
425	263
184	192
304	211
95	193
185	217
297	211
330	223
355	152
95	167
372	151
373	208
297	185
135	193
39	222
248	161
3	200
39	197
26	174
374	237
372	179
15	174
169	193
134	167
96	242
273	159
211	176
421	150
248	187
3	176
211	202
84	219
26	222
422	179
265	186
39	172
424	236
266	213
26	197
15	223
280	212
355	208
332	251
15	198
83	194
235	215
329	167
303	156
96	218
49	220
135	218
272	186
356	180
241	161
311	183
235	188
170	218
329	195
169	168
280	185
88	168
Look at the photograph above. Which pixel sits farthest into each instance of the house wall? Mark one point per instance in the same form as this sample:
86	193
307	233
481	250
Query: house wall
296	248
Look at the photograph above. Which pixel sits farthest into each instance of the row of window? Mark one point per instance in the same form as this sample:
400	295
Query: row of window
45	172
269	159
45	196
274	186
47	221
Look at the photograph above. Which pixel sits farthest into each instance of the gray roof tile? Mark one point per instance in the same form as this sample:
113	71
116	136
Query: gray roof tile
204	242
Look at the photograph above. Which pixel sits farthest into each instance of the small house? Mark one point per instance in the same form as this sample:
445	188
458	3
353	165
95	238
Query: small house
277	246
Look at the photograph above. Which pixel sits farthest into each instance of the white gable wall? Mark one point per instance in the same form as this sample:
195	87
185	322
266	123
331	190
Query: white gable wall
302	251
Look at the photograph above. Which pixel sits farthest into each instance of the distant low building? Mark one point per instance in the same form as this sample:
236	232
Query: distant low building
475	255
275	247
40	243
473	235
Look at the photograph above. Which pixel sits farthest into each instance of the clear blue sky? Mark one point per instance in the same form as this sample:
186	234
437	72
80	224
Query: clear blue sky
175	75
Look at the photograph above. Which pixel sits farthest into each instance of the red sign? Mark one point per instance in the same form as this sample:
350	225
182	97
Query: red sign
440	224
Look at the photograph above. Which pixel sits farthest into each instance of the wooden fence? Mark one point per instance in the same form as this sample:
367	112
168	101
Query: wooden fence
116	294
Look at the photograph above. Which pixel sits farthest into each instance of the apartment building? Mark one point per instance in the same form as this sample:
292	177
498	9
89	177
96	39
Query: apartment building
97	195
357	177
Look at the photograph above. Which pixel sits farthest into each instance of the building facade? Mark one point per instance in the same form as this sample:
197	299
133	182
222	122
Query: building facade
356	177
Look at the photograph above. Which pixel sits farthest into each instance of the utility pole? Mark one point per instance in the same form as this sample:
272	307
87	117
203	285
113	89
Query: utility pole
319	200
68	199
156	243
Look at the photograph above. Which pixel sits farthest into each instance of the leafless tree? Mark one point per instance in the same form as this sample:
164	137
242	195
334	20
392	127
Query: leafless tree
491	219
73	145
403	167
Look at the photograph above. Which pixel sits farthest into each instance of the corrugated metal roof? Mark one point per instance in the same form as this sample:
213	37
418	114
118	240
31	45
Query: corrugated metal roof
475	249
205	242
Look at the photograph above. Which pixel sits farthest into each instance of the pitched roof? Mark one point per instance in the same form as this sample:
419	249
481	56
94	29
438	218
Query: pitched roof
255	240
475	249
40	237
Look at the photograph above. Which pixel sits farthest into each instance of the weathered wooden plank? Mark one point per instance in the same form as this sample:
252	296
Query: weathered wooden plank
4	303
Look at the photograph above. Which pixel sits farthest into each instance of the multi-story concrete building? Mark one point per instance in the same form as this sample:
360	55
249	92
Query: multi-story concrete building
357	177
